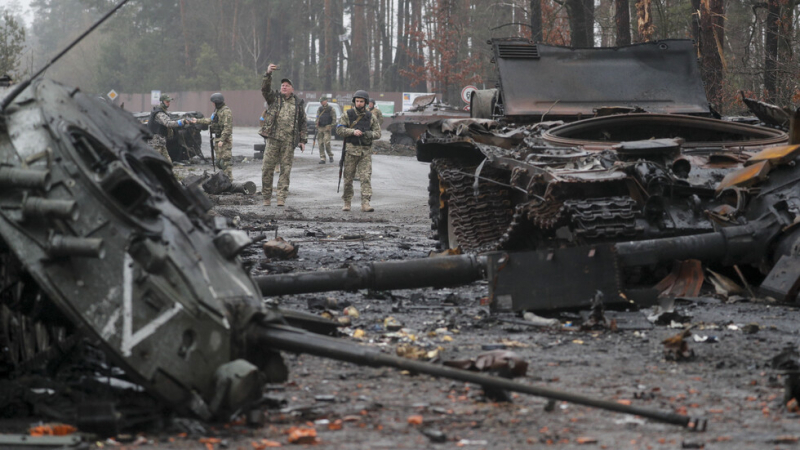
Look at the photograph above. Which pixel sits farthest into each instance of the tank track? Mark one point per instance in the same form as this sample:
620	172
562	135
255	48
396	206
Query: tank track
31	332
603	218
479	222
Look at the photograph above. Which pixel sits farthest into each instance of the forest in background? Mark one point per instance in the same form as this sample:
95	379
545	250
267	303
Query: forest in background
389	45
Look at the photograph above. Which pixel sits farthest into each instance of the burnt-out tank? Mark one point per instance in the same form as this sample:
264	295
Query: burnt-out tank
408	126
650	163
98	239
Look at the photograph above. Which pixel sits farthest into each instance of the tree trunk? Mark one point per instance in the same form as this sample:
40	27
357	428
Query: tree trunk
400	52
188	61
581	23
771	51
536	21
622	18
644	21
327	51
357	66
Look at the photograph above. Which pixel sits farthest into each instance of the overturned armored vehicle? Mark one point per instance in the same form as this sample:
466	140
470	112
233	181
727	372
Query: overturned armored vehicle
647	171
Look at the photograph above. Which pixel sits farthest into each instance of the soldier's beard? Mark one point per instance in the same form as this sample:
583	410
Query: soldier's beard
360	110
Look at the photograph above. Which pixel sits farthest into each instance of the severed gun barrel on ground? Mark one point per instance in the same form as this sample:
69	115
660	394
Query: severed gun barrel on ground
733	245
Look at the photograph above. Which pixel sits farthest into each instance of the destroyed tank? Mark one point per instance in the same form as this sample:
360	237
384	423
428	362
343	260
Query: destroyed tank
574	155
99	240
408	126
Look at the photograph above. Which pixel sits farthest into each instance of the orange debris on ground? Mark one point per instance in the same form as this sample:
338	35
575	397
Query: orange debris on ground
265	443
56	429
335	425
415	420
302	435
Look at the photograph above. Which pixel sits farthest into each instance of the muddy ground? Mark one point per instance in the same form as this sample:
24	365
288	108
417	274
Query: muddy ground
729	381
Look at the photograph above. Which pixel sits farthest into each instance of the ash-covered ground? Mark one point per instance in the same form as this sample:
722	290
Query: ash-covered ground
728	381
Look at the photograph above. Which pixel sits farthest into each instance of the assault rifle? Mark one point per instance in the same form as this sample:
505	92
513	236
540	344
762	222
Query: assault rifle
341	165
315	140
211	142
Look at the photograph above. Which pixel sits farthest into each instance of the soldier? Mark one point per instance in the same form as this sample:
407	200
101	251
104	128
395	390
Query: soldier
359	128
221	122
376	111
161	125
285	128
326	116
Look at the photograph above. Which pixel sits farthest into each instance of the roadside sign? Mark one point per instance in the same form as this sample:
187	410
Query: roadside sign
112	94
155	97
466	93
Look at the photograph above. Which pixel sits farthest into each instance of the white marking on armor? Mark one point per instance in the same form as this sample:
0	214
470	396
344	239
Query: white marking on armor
147	330
130	339
110	329
127	301
208	280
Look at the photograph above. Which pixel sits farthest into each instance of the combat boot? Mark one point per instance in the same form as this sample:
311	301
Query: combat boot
267	202
322	161
281	202
330	158
365	206
346	206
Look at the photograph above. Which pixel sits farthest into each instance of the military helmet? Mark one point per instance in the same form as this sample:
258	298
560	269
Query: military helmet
361	94
372	100
165	98
323	99
217	98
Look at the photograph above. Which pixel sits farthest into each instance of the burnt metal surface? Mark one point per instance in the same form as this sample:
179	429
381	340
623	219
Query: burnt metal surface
769	114
695	132
134	262
562	82
551	279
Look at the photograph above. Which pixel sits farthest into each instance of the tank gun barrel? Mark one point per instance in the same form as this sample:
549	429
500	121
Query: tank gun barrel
282	337
430	272
734	245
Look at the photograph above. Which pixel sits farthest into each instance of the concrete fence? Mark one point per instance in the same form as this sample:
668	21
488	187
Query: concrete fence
246	106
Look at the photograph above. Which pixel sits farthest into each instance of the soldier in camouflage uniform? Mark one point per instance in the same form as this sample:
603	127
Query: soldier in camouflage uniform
221	122
326	117
161	125
359	128
285	128
375	111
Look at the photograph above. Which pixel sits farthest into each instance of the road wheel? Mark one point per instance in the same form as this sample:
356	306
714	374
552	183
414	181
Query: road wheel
438	211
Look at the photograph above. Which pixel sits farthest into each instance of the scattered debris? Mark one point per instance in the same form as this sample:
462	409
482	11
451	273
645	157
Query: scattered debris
280	249
539	321
676	348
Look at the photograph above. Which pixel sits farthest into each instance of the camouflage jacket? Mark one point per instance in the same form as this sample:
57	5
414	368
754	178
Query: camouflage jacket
294	128
326	109
162	118
345	129
221	122
378	115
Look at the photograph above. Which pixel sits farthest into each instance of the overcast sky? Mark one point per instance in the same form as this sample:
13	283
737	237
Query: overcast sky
24	5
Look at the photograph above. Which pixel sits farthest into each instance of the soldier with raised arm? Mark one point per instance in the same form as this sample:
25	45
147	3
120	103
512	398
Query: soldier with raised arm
284	127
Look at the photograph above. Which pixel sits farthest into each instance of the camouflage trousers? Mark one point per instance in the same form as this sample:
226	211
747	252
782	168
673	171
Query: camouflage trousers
324	140
278	152
358	163
159	144
223	156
